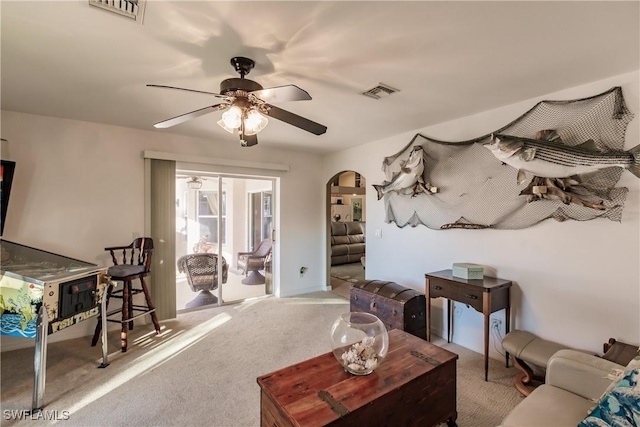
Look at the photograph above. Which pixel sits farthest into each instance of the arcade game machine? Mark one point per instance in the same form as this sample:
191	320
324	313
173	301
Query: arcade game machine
42	293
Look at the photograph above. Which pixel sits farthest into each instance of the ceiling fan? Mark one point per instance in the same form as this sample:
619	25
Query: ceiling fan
247	105
193	182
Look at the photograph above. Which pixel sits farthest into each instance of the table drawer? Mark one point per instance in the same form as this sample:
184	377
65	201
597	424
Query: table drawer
471	297
463	294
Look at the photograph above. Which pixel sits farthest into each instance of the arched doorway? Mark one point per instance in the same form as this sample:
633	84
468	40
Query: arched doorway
346	230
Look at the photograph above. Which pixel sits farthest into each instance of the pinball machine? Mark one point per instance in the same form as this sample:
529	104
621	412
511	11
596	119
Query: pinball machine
42	293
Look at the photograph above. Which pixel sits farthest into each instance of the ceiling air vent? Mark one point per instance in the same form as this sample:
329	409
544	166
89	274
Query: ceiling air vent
380	91
133	9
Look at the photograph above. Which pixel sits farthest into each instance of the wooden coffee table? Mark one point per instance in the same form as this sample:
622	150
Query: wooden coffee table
415	385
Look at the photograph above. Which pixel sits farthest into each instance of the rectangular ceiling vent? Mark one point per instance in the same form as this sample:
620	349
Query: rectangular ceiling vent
380	91
133	9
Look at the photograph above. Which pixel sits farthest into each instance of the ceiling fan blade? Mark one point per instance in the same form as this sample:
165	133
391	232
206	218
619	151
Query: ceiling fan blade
188	116
190	90
248	140
282	94
295	120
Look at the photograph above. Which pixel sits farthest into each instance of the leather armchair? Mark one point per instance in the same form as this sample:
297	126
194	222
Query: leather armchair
573	380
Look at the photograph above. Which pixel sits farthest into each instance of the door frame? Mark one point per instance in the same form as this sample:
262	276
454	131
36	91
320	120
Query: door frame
331	182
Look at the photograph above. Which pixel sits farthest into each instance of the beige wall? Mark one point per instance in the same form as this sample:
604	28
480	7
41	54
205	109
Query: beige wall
577	283
79	187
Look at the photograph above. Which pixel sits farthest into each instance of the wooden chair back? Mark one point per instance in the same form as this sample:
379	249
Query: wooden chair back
139	252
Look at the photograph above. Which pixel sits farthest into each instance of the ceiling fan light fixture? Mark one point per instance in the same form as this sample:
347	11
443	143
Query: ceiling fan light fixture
247	104
231	119
194	183
254	122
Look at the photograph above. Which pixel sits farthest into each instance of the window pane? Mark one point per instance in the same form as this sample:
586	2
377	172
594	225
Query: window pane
209	229
207	203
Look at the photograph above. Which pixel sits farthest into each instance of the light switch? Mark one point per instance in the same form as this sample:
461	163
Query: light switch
378	233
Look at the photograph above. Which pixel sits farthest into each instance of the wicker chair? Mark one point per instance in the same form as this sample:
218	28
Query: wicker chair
252	262
202	275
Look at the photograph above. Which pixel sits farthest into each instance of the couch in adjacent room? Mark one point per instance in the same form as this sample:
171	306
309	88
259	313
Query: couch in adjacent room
347	242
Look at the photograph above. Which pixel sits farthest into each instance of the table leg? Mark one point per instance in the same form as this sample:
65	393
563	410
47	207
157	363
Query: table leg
486	347
507	322
428	297
449	319
486	311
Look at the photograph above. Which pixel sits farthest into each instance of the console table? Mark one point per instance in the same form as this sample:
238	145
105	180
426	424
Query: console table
486	295
415	385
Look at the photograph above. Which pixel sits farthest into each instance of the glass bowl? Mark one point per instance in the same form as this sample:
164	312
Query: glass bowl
359	342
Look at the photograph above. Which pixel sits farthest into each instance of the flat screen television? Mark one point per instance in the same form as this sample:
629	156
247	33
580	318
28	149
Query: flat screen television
7	168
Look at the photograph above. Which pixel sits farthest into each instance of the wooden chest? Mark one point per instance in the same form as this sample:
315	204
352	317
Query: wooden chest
398	307
415	385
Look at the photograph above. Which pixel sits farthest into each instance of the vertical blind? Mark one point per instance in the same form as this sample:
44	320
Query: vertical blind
163	232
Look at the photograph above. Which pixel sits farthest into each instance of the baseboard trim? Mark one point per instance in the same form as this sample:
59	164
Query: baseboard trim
300	291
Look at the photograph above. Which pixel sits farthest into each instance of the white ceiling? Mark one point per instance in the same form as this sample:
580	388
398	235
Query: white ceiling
449	59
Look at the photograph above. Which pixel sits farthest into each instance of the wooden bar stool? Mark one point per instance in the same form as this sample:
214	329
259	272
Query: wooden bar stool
135	264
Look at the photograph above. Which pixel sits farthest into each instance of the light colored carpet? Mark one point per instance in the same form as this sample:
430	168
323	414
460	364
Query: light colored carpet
202	369
348	272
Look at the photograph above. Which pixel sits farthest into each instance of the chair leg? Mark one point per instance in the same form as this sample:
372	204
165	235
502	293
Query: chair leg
125	316
147	297
130	305
96	334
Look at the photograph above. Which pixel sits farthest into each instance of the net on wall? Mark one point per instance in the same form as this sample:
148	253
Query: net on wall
476	190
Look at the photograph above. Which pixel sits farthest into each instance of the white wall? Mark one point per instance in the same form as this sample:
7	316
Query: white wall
79	187
575	283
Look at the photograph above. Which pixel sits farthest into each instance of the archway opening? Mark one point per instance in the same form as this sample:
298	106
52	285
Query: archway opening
346	230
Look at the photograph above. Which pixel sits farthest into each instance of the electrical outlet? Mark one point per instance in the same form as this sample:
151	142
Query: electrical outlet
303	270
496	323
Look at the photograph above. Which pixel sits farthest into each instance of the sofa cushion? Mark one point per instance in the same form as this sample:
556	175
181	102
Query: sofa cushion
580	373
337	250
338	229
355	227
548	406
356	238
356	248
340	240
620	406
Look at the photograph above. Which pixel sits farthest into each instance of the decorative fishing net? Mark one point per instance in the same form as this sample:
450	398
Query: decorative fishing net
476	190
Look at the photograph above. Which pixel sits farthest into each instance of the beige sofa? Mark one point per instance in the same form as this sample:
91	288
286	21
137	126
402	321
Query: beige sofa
574	381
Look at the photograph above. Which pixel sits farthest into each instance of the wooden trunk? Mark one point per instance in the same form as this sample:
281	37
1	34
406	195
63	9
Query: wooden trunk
398	307
415	385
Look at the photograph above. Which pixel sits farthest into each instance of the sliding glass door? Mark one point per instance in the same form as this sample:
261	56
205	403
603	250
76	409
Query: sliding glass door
260	216
227	215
